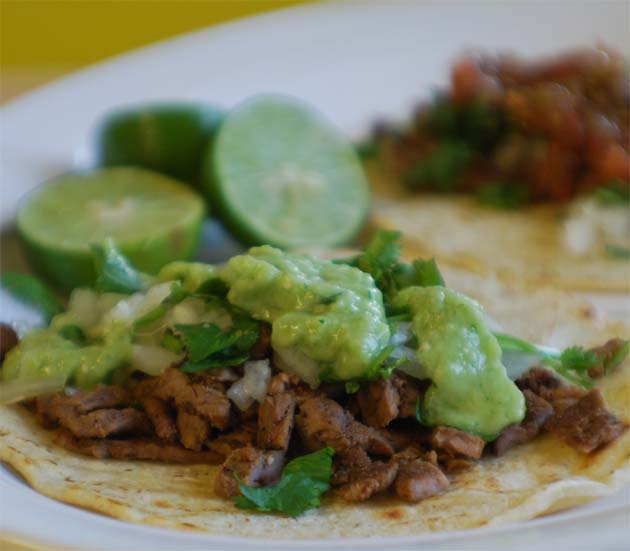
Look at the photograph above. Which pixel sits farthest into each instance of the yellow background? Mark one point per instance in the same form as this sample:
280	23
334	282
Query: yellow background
43	39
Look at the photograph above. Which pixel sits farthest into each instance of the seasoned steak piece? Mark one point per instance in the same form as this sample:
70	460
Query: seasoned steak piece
538	411
409	391
563	397
193	430
275	421
379	402
366	481
284	382
103	396
323	422
223	375
199	397
539	380
253	466
8	340
346	462
606	352
240	437
262	348
106	422
160	415
419	479
456	442
147	449
587	425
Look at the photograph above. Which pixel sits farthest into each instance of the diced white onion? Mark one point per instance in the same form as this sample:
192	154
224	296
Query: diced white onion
252	386
152	360
16	390
402	334
139	304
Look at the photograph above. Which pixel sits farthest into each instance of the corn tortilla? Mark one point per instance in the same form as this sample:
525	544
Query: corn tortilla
538	478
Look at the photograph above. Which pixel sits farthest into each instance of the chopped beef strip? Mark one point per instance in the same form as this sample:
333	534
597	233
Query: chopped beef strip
586	425
366	481
160	415
199	397
346	462
135	448
226	443
419	479
563	397
103	396
379	402
106	422
193	430
275	421
283	382
80	415
216	378
606	352
452	464
457	443
538	411
409	391
253	466
8	340
261	349
323	422
539	380
399	439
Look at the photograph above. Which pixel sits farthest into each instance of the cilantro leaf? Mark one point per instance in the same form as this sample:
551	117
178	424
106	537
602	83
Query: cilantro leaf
114	272
380	259
615	192
31	290
441	169
352	387
418	411
618	252
204	339
502	195
301	485
209	346
572	363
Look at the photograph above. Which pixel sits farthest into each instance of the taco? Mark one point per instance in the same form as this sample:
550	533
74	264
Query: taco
519	168
362	396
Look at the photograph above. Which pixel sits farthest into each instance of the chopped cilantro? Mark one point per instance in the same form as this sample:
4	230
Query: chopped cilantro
352	387
209	346
618	252
177	294
615	192
572	363
441	169
503	195
301	485
114	272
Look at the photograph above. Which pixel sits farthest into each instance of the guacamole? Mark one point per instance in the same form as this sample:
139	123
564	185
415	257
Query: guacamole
470	389
327	316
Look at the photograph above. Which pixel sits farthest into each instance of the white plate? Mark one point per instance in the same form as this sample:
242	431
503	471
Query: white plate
353	61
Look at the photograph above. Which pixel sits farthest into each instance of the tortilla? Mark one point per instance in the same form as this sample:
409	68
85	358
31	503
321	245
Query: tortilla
531	480
524	245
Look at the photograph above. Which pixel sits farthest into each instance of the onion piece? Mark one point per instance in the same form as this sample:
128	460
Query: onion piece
17	390
152	360
252	386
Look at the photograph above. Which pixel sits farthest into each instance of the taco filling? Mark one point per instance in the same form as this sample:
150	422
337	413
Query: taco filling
301	376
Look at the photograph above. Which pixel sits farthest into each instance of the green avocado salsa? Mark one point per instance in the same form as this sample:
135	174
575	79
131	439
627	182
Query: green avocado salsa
327	319
470	389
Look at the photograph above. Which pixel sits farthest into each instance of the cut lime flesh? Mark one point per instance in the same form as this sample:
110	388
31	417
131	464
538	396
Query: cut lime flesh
169	138
152	219
278	173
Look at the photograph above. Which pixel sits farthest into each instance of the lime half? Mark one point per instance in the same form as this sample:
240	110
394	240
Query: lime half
152	219
169	138
279	173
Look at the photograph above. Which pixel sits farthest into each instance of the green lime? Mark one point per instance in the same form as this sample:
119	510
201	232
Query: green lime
167	138
151	218
279	173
